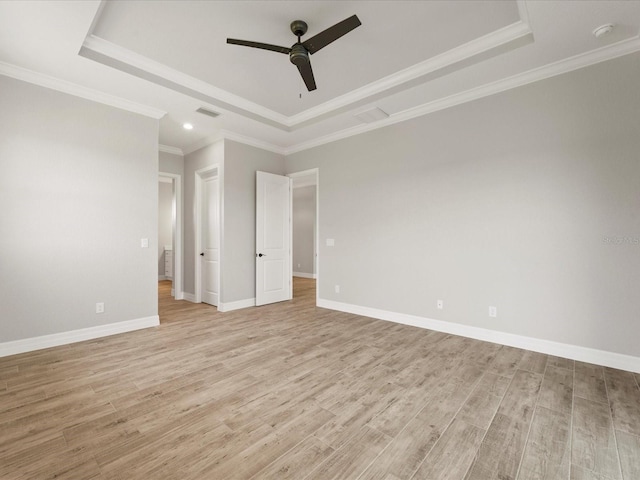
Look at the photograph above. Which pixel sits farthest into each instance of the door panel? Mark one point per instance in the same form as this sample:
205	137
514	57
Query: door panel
210	242
273	275
273	238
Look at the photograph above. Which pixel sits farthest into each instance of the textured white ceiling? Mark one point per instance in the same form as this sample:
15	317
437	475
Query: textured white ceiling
407	58
394	35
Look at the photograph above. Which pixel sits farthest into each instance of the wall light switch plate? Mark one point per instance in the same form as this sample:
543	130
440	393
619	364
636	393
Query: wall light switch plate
330	242
337	288
144	242
493	312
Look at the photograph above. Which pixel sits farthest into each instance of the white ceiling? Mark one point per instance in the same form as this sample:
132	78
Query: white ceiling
168	58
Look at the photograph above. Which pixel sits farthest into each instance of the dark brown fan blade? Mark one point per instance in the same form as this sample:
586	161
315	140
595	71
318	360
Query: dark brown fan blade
263	46
307	75
331	34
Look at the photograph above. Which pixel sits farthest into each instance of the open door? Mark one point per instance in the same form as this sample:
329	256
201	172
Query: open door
273	238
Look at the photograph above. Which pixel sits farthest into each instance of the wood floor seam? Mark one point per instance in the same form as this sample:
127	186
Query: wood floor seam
526	440
615	436
290	391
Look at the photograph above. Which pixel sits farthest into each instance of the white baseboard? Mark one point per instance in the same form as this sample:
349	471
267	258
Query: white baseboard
229	306
64	338
189	297
304	275
573	352
223	306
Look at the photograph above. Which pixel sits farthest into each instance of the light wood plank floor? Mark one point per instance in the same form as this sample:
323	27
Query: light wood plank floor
291	391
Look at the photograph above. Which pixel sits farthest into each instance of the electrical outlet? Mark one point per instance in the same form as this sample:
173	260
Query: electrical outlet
298	265
493	312
337	288
440	304
99	307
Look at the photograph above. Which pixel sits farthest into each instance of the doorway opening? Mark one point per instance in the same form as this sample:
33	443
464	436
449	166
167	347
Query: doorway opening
304	224
169	251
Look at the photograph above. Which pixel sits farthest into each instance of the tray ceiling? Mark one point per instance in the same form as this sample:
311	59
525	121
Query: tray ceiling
409	58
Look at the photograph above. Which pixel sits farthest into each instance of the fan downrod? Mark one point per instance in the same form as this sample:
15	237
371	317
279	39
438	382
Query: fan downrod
299	27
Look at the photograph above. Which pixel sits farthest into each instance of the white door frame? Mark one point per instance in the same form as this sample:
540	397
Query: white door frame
177	233
200	176
316	173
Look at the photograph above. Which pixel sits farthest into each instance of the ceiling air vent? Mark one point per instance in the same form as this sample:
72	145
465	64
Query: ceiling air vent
372	115
210	113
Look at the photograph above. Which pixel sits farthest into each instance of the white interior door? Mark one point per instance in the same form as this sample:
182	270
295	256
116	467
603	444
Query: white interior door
210	255
273	238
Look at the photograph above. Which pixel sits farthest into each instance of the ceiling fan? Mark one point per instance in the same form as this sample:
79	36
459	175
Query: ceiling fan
300	51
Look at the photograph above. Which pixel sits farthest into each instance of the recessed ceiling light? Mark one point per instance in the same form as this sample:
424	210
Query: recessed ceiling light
187	126
603	30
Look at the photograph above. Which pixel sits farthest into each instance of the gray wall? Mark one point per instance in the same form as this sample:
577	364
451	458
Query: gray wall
241	162
304	220
505	201
165	221
78	189
171	163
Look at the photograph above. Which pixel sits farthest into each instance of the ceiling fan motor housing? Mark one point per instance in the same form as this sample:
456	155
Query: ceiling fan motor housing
299	54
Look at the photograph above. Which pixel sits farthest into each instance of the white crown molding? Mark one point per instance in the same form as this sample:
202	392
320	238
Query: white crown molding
128	57
76	90
73	336
560	67
253	142
523	12
235	137
464	52
203	142
478	46
169	149
461	53
549	347
339	135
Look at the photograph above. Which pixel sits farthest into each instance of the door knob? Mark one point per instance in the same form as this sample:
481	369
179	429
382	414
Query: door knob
262	255
202	254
